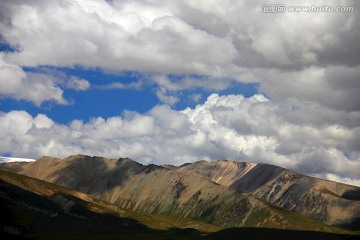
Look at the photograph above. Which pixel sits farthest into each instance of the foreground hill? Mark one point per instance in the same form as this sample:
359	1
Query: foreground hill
328	201
158	190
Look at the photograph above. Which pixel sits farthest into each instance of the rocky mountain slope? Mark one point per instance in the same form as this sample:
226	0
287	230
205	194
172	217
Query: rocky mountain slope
178	192
328	201
35	209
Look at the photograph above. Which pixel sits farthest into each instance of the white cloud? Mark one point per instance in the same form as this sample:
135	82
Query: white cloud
335	86
137	85
181	37
179	83
336	178
195	97
9	159
166	96
17	84
36	87
219	41
131	36
41	121
113	85
77	84
253	129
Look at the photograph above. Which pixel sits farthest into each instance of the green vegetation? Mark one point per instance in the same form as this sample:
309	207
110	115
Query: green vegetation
290	220
257	217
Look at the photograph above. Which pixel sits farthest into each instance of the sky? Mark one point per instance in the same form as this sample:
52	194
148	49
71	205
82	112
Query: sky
181	81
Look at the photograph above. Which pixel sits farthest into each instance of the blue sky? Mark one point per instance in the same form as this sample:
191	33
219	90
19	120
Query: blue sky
97	101
181	82
106	102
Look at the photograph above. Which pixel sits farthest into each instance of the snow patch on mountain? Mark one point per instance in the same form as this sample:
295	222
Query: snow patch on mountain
12	159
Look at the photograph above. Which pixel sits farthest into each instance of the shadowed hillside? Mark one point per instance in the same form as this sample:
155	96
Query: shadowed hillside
34	209
158	190
37	209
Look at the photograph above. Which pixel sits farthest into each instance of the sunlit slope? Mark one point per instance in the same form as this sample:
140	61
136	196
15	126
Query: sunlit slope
331	202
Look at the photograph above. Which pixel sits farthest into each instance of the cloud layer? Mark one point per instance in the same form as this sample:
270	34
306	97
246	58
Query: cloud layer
222	40
89	32
306	64
233	127
36	87
219	38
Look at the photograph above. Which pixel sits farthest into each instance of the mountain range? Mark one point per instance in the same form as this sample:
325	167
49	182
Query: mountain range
206	196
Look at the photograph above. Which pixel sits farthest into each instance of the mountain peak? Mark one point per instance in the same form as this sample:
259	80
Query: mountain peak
47	158
223	172
126	160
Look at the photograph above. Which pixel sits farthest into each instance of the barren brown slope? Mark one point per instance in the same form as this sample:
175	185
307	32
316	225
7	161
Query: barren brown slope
147	189
35	209
332	202
157	190
78	171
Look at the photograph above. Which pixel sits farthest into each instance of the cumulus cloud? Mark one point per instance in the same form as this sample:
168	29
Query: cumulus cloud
37	88
307	64
77	84
166	96
219	41
335	87
182	37
253	129
127	36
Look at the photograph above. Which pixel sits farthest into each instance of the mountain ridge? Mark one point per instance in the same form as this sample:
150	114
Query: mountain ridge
285	188
156	189
36	209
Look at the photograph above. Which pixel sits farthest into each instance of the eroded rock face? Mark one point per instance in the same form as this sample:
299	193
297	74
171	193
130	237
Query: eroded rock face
312	204
273	191
223	172
178	189
332	202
